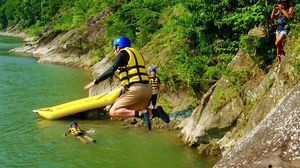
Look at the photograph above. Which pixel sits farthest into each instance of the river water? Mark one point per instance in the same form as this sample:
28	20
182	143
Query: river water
30	141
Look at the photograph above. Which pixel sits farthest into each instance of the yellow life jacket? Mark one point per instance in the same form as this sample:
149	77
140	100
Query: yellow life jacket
75	131
155	82
135	71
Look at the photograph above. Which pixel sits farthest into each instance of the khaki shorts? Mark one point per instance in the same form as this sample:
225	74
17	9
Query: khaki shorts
136	97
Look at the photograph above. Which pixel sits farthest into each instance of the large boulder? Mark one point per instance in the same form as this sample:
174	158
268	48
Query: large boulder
275	142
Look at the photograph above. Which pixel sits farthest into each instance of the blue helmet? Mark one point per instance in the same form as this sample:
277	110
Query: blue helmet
122	41
152	69
73	122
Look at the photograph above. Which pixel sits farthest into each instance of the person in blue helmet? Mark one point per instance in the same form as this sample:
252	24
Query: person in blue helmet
283	15
79	133
130	66
155	84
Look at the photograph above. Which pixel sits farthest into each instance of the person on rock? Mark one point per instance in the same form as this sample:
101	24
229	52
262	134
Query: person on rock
283	15
130	65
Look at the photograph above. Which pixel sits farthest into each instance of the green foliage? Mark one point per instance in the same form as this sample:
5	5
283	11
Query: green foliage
250	105
234	80
34	29
73	13
295	21
237	77
294	70
166	103
49	9
294	48
10	13
245	17
63	39
95	55
269	83
260	48
250	43
137	20
214	73
193	40
27	12
221	97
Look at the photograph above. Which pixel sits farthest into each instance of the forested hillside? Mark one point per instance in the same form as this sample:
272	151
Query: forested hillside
199	37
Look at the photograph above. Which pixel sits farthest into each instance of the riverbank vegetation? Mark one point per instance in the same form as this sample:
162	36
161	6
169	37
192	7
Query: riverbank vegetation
193	40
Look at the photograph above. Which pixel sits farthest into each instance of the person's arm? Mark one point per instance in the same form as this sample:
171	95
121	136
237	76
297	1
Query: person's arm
287	14
291	10
121	60
82	131
106	74
273	11
102	77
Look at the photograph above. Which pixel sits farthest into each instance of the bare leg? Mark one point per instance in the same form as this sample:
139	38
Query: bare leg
278	44
150	113
89	138
123	113
278	57
81	139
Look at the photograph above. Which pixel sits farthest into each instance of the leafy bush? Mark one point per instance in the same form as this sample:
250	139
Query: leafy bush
244	18
95	55
193	40
221	97
237	77
138	20
261	49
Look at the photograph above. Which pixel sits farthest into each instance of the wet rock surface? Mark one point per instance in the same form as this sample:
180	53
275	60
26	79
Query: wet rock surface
155	122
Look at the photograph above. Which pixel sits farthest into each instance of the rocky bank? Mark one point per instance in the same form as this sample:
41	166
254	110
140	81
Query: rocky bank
254	124
275	142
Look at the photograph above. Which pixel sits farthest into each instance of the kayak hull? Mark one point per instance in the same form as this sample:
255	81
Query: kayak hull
78	106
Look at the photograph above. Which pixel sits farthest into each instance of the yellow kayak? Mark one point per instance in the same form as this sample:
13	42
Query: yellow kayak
78	106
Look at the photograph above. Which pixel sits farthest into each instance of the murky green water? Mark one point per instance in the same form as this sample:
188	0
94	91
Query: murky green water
29	141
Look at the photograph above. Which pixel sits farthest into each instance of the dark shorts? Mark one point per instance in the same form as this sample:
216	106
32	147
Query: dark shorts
153	100
80	134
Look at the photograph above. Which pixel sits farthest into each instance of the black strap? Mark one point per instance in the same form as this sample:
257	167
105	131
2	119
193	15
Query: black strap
141	82
136	63
123	69
132	75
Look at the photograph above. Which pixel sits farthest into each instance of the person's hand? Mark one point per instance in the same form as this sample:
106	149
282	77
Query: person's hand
275	6
90	85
